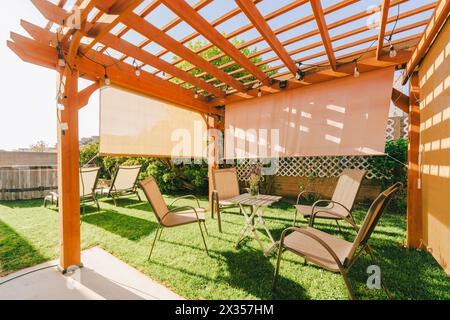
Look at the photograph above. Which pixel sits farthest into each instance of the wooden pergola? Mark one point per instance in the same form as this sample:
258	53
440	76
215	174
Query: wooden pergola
76	41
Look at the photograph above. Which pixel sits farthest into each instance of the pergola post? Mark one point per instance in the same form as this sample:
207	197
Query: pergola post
212	158
68	173
414	195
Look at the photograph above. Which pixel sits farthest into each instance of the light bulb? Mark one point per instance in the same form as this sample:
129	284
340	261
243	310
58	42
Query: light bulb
259	92
138	72
196	95
61	62
392	52
356	72
299	76
107	80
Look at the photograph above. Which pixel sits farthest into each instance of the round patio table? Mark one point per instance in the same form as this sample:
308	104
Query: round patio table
255	218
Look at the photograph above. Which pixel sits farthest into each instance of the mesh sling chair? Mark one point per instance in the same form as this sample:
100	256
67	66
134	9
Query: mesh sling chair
341	204
124	183
88	185
169	217
225	186
332	253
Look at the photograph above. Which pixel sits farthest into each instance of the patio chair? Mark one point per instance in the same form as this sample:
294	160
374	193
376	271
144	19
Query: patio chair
225	186
88	185
330	252
124	183
340	206
170	217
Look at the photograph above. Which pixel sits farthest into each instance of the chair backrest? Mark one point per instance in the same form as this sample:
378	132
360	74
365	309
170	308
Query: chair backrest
125	178
348	186
154	197
374	214
88	180
225	182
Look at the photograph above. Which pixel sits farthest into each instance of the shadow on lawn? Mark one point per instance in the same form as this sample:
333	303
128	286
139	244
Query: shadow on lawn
16	252
126	226
252	272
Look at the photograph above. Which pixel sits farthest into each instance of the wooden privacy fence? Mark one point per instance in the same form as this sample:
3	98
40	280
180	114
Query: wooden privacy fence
27	182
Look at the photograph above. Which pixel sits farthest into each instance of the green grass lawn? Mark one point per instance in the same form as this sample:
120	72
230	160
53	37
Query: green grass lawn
29	235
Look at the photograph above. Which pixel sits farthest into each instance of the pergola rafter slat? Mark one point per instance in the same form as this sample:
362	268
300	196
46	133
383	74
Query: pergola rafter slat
383	21
147	29
316	6
264	29
313	33
195	20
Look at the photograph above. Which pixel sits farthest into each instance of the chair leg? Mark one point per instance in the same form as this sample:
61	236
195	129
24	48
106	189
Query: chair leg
206	229
160	234
347	284
277	268
138	196
96	202
203	237
154	241
219	218
374	261
114	199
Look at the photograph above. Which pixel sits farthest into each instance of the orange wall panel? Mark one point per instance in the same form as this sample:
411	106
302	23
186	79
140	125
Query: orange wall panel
434	78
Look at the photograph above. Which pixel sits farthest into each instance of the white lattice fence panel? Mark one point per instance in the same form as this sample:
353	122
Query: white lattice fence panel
390	130
313	166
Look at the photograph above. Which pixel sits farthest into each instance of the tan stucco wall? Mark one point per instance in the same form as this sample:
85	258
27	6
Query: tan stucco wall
434	78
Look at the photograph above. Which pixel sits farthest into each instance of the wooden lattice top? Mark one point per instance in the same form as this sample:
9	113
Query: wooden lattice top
324	39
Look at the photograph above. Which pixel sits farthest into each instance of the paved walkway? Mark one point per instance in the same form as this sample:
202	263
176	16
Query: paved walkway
103	277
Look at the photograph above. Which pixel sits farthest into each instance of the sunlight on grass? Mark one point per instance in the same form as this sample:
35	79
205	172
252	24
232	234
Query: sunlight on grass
29	235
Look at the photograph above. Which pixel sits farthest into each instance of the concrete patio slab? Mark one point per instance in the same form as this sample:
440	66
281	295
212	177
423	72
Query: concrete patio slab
103	277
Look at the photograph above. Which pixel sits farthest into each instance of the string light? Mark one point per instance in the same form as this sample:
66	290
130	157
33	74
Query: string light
196	94
260	90
356	71
107	79
392	52
137	69
61	60
300	75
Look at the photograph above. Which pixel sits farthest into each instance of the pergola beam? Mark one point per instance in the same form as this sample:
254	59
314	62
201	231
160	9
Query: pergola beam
119	72
126	47
316	6
129	49
253	14
195	20
400	100
116	11
383	21
440	14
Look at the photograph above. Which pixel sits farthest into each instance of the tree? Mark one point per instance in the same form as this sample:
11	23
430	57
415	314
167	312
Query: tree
39	146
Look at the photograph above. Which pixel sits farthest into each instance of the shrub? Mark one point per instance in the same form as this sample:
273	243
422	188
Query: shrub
393	168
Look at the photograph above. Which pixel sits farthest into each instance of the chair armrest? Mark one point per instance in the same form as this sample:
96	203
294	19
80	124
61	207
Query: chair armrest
314	237
190	196
301	194
315	212
182	209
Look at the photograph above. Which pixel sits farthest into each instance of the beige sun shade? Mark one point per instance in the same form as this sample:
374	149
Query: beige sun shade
136	125
347	116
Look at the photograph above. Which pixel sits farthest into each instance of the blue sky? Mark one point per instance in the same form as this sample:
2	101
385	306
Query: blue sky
28	91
